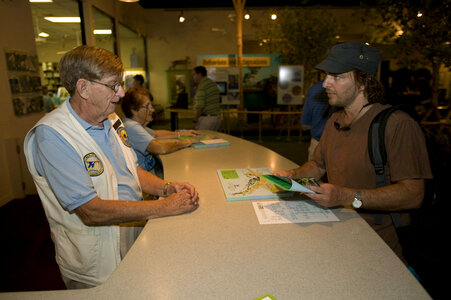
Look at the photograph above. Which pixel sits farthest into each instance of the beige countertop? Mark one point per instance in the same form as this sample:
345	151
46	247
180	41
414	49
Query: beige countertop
220	251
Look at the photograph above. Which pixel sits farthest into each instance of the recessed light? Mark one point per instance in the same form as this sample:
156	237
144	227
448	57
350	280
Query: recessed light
103	31
63	19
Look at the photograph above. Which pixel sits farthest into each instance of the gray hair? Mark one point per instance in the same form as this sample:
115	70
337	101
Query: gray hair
88	62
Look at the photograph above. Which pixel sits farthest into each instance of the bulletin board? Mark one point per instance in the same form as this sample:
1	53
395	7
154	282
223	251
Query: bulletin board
290	87
24	81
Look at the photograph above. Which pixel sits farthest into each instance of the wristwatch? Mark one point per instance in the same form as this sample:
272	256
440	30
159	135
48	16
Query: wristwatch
357	203
166	188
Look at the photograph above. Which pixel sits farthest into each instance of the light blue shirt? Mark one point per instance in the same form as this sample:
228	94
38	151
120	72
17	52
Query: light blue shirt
315	107
61	165
140	137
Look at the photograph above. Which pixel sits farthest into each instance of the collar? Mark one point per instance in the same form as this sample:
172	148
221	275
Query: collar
86	126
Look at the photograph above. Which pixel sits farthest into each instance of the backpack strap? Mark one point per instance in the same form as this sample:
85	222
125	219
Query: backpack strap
378	152
376	140
376	145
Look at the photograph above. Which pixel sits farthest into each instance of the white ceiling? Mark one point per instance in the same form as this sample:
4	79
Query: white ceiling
57	31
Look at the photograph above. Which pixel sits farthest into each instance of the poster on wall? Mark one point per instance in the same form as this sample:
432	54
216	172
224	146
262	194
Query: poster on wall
257	70
290	85
24	82
227	80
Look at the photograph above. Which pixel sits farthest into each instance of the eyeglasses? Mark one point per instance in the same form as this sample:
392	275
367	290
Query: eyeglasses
339	128
115	87
148	106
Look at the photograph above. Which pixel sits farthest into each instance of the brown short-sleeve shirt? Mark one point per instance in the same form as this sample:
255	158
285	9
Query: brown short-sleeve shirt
344	154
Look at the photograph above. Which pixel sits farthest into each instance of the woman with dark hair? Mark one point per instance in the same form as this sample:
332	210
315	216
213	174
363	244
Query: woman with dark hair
148	143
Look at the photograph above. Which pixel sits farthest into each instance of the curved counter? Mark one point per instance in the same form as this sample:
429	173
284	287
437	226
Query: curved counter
220	251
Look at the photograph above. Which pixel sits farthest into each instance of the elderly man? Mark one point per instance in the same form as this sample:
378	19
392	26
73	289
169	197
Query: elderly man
342	152
87	175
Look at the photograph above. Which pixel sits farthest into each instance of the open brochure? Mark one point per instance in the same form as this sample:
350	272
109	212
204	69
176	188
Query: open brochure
246	184
293	185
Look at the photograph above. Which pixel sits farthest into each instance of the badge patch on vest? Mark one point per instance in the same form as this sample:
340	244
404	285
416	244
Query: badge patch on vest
93	164
123	134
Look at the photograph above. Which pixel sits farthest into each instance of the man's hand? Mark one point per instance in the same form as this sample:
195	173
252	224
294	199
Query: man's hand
284	173
180	202
177	187
329	195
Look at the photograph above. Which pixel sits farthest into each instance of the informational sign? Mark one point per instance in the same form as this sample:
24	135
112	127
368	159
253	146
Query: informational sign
222	68
227	80
290	87
230	61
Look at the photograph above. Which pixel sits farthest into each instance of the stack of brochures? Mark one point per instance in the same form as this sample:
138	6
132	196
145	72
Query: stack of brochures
210	143
205	141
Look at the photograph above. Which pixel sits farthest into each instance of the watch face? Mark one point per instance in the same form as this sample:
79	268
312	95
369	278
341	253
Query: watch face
356	203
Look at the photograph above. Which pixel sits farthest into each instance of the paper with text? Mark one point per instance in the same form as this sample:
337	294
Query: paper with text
282	212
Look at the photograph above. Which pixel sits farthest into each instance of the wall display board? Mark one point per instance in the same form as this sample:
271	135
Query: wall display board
227	80
290	87
24	81
257	69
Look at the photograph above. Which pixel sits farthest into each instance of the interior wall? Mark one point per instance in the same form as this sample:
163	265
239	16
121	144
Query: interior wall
204	32
17	34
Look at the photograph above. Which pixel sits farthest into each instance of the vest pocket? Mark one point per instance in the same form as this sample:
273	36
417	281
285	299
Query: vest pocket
77	251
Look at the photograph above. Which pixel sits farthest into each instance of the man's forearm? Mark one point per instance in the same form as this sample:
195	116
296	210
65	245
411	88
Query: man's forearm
197	114
150	183
405	194
109	212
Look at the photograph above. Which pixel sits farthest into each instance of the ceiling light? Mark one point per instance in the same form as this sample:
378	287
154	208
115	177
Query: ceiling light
273	16
41	1
44	34
103	31
63	19
181	17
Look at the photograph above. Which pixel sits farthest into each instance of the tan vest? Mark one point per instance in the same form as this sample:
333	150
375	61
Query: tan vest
87	254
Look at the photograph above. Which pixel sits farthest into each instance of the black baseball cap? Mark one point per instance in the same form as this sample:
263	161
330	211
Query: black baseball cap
349	56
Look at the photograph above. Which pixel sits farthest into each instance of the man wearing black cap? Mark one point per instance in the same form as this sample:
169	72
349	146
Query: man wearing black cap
342	152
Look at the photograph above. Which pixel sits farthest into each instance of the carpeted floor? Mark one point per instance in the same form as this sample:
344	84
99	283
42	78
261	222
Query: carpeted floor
27	255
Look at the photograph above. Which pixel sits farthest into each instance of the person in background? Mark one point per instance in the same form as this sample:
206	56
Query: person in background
207	108
315	114
47	100
148	143
138	81
342	152
87	174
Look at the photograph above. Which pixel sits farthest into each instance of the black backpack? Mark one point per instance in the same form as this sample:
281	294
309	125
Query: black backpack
424	241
